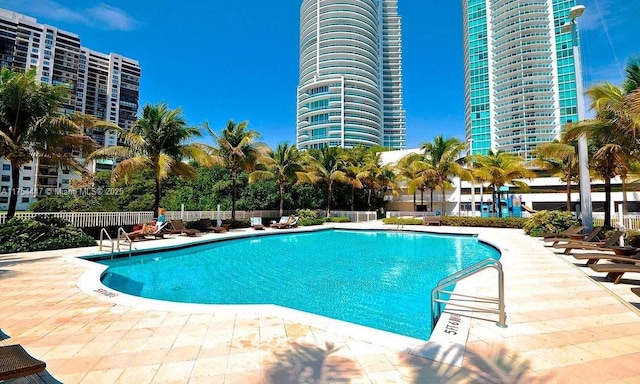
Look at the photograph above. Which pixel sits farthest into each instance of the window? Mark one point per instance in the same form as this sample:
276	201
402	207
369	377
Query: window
25	199
6	167
26	178
27	167
4	200
5	178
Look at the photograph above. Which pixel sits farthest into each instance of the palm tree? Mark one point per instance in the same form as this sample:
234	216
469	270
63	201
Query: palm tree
237	149
31	124
561	159
444	154
423	177
327	165
501	168
406	172
287	163
158	141
614	130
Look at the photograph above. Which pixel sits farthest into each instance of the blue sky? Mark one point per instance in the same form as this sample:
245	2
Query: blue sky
221	59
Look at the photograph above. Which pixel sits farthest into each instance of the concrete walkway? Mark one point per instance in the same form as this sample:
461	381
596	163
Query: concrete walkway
563	326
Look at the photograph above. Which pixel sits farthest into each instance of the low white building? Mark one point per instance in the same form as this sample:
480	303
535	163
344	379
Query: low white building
466	198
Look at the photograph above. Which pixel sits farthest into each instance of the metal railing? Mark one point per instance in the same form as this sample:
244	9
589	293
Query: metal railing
104	232
457	301
122	234
114	219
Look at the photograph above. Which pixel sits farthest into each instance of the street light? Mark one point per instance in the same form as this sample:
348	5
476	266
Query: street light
583	154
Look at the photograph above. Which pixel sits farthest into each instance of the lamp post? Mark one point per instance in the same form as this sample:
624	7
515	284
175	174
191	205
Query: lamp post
583	154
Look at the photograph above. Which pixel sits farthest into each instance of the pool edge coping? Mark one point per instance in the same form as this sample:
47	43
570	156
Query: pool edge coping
90	283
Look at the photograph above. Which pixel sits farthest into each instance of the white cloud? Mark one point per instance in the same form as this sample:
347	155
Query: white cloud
101	16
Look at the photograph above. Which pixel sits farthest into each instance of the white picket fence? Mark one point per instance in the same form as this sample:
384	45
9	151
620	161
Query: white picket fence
107	219
628	221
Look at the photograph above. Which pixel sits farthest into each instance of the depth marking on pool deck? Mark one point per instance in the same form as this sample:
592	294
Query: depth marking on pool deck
450	333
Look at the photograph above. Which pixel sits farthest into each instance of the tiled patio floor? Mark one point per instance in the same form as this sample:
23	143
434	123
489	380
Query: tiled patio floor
562	325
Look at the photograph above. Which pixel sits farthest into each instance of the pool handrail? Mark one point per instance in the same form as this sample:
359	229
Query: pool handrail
121	231
103	232
437	300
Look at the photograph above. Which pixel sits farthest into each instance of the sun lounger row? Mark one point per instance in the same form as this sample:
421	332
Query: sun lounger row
621	259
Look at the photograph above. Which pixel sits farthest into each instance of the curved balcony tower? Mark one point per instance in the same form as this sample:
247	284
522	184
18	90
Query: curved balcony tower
341	99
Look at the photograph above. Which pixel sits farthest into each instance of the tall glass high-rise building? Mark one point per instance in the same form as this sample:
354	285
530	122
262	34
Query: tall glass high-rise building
350	85
520	77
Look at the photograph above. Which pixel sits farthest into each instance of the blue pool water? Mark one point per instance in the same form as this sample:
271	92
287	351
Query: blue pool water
380	279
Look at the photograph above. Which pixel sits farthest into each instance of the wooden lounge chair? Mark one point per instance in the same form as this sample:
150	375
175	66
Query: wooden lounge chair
16	362
146	231
207	225
593	258
283	221
256	223
431	220
292	222
615	271
572	230
590	245
179	228
591	237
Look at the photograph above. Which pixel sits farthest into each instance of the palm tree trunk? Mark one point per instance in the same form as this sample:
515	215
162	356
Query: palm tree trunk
234	176
281	184
15	183
431	197
607	203
569	195
443	203
414	201
329	199
156	202
353	197
499	203
625	209
422	196
493	198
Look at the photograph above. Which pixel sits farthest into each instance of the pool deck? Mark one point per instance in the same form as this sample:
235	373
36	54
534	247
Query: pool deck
566	324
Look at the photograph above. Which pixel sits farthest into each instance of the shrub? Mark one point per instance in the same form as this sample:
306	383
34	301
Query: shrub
336	219
402	221
307	222
456	221
41	233
632	238
306	214
549	221
490	222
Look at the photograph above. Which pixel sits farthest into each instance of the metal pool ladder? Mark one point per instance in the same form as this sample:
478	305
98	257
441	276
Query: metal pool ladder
103	233
121	232
469	302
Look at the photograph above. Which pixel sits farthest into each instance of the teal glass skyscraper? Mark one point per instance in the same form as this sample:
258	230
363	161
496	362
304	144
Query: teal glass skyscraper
350	84
520	77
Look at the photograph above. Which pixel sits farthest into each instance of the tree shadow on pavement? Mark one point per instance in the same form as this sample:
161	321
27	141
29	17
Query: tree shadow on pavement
495	366
308	363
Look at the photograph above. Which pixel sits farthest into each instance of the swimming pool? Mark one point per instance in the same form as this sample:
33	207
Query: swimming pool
380	279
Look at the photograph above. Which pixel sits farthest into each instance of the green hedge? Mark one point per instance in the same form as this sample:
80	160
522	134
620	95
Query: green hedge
335	219
491	222
308	222
402	221
457	221
41	233
549	221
